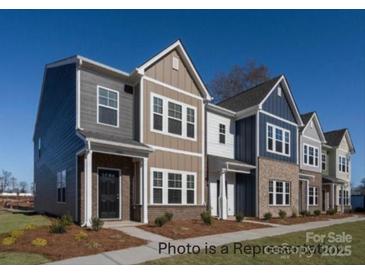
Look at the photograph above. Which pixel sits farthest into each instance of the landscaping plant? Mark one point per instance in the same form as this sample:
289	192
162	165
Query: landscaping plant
206	217
16	234
169	216
317	212
57	227
9	241
161	220
305	213
239	217
30	227
282	214
267	216
67	219
39	242
331	211
80	236
96	224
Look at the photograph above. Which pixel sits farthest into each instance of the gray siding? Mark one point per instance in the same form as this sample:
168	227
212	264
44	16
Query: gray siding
312	133
264	119
278	105
56	128
245	140
137	122
88	107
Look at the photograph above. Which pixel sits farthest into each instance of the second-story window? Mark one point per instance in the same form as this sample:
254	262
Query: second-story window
190	122
108	107
342	164
157	113
278	140
310	155
175	119
324	161
222	133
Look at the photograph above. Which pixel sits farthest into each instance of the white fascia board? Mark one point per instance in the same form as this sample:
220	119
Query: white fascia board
220	110
247	112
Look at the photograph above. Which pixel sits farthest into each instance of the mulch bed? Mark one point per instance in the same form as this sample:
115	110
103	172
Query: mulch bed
63	246
306	219
182	229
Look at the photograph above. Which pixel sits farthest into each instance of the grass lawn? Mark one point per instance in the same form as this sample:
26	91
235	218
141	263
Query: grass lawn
16	258
10	221
355	229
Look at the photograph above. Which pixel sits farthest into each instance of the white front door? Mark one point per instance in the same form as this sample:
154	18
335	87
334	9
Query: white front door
230	197
213	187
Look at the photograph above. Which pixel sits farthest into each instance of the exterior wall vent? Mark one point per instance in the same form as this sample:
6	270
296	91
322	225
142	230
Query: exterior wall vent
128	89
175	63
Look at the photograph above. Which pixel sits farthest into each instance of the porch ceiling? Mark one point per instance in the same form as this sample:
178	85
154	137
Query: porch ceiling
331	180
217	164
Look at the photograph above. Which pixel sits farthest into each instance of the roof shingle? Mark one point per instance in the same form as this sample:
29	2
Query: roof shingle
334	137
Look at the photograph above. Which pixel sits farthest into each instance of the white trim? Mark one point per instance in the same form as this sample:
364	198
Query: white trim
274	127
120	191
306	175
312	139
314	155
118	154
297	144
257	134
88	188
173	88
178	45
113	108
94	140
165	117
315	193
203	202
145	190
277	117
220	110
239	164
95	63
246	112
325	162
78	97
274	182
141	108
165	187
177	151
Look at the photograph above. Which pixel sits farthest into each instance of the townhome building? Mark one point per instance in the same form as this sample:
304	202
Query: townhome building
253	158
336	170
310	151
121	146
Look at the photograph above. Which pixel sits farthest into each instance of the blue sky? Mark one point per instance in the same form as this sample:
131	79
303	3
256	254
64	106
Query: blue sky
322	53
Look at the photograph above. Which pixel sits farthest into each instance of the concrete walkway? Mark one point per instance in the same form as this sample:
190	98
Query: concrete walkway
141	254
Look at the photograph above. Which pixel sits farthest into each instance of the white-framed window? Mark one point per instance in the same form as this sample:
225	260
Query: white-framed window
173	118
342	163
107	106
173	187
61	186
313	195
277	140
347	163
222	133
324	161
310	155
279	193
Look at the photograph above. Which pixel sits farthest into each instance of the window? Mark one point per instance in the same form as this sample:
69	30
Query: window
313	195
174	188
190	189
222	133
279	193
108	107
347	164
61	186
311	155
190	122
342	164
324	161
346	198
175	118
157	113
157	187
278	140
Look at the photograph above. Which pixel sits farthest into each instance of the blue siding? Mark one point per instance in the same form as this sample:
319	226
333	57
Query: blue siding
245	140
56	127
278	105
245	194
264	119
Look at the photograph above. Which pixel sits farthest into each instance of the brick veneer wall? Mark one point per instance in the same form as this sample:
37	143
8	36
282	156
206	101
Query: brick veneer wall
277	170
180	212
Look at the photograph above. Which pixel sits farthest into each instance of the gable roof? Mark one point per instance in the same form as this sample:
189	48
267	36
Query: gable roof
178	46
309	116
335	137
257	95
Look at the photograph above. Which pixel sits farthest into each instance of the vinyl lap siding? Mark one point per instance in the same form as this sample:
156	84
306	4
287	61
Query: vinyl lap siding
245	140
56	128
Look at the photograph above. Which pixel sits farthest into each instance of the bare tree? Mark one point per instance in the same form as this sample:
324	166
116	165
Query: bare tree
13	184
238	79
23	187
6	175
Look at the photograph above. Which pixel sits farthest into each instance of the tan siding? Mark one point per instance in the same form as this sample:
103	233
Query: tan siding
181	78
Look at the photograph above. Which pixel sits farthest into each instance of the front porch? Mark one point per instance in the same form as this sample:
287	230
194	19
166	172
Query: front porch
112	183
333	191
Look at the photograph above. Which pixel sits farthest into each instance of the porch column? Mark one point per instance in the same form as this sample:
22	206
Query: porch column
332	196
342	199
222	196
88	187
144	189
307	207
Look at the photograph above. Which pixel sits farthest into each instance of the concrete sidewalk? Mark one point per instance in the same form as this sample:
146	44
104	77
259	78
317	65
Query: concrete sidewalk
141	254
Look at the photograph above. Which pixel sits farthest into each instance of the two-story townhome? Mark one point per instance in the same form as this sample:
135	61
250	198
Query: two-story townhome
336	170
253	149
121	146
310	151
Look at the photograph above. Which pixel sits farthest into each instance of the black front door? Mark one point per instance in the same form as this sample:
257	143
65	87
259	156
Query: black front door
108	193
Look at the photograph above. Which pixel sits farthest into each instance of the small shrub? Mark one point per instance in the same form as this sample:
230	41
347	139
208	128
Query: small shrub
57	227
9	241
282	214
93	244
305	213
30	227
96	224
239	217
67	219
169	216
206	217
80	236
331	211
267	216
317	212
161	220
16	234
39	242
